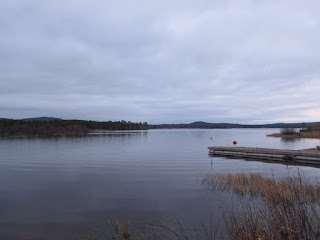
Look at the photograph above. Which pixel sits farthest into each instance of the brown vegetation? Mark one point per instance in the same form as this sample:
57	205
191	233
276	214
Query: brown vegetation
288	130
297	135
280	209
315	128
311	132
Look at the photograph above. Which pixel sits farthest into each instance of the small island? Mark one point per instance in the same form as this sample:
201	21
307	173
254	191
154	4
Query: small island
310	132
51	126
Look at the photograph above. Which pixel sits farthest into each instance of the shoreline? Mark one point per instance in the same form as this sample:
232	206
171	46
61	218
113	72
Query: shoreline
297	135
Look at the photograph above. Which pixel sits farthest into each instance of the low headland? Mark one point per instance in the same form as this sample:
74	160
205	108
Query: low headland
53	126
310	132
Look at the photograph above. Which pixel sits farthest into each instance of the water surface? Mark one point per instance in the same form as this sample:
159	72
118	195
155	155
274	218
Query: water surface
59	187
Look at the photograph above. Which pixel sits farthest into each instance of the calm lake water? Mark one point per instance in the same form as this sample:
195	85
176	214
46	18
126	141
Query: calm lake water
61	187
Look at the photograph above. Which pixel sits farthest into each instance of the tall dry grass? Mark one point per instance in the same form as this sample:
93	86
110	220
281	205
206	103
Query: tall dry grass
311	134
286	208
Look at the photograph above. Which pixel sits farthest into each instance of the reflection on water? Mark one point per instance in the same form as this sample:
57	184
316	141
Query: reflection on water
82	136
289	140
59	186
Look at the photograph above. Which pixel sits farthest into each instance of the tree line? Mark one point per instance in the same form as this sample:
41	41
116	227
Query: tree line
10	126
205	125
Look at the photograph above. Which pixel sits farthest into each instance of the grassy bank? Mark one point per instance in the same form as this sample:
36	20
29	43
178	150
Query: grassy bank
297	135
287	132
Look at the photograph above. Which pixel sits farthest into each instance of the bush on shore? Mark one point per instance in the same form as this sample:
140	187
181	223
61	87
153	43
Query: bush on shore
288	130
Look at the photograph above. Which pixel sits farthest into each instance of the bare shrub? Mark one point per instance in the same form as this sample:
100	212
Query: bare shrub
288	130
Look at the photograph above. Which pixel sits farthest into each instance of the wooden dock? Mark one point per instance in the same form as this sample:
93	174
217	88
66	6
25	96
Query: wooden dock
304	157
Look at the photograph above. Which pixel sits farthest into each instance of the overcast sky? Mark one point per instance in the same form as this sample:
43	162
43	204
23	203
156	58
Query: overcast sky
161	61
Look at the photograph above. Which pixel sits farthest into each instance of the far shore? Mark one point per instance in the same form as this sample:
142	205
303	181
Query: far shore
315	134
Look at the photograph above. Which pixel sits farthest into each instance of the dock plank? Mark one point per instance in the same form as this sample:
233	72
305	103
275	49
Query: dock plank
306	152
308	156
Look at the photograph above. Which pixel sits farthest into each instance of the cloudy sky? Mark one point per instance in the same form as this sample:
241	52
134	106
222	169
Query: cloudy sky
161	61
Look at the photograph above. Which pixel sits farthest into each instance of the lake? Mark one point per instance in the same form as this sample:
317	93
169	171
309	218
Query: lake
62	187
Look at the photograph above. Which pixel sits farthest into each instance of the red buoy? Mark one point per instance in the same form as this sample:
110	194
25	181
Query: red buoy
234	142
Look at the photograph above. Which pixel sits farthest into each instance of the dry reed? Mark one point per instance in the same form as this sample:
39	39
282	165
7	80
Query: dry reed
287	208
313	134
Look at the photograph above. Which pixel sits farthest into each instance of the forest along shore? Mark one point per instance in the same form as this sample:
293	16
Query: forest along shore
64	127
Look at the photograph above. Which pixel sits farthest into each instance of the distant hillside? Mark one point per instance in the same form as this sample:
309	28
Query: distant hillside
34	119
41	119
129	125
205	125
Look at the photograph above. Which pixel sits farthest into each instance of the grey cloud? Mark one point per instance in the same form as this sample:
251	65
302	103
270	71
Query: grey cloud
160	61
